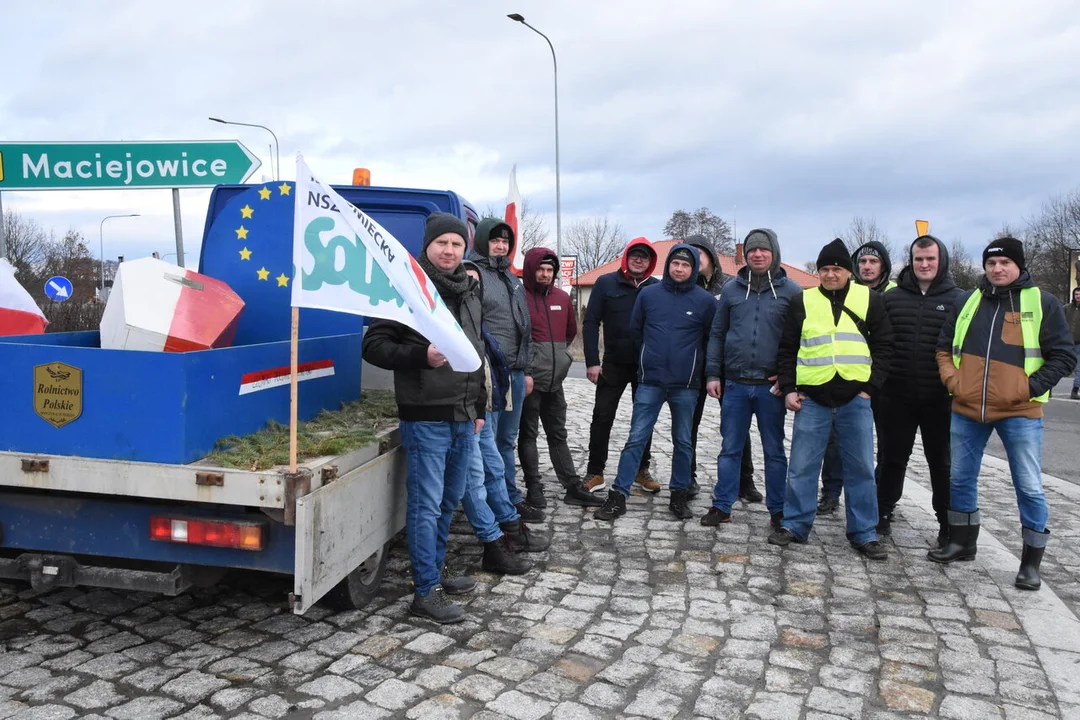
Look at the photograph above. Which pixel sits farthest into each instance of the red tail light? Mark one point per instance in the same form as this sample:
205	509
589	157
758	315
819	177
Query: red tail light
215	533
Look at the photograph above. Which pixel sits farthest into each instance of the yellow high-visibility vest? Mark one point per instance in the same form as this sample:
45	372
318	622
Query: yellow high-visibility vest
1030	324
827	348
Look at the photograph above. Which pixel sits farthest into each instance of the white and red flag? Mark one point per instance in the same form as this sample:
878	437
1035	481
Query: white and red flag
513	219
19	314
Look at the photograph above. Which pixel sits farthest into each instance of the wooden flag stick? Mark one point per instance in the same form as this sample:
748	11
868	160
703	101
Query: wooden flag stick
294	350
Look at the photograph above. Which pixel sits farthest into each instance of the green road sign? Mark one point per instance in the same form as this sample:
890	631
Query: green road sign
117	165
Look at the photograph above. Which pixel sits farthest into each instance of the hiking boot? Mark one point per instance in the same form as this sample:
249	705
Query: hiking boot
595	482
613	507
694	488
963	539
678	505
645	480
715	516
522	539
872	550
576	494
528	512
1075	394
775	518
1030	559
459	585
884	525
783	537
827	505
436	606
500	558
748	492
534	494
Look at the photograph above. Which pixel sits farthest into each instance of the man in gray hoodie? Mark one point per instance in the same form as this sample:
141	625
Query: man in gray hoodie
742	349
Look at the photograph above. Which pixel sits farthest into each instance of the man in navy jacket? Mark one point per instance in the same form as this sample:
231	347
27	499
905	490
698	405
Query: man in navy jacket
669	326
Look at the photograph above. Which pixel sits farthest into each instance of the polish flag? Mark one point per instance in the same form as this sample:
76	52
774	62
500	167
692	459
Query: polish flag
160	307
513	219
19	314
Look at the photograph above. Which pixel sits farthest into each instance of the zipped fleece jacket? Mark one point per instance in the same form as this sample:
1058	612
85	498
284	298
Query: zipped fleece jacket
610	304
554	326
670	325
505	314
745	333
916	321
424	393
990	383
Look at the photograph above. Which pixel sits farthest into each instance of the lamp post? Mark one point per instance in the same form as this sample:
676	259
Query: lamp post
516	17
277	149
101	242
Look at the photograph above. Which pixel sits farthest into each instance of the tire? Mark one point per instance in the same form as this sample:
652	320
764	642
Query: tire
361	585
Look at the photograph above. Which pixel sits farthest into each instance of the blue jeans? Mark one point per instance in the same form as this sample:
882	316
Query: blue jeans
485	500
647	404
437	461
832	478
506	431
1022	438
854	425
739	402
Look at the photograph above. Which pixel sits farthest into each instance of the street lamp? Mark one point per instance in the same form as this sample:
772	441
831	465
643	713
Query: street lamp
516	17
277	153
101	241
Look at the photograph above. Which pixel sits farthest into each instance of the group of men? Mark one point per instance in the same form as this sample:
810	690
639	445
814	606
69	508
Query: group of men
859	350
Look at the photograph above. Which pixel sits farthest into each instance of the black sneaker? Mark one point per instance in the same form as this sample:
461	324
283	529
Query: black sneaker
872	550
436	606
749	493
783	537
775	518
1075	394
678	505
534	495
529	513
827	505
459	585
884	526
715	516
576	494
613	507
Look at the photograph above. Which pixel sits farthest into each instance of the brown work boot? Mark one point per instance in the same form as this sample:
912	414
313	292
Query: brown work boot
645	480
595	482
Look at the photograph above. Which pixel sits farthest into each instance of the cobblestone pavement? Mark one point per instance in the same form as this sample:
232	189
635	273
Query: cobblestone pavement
649	617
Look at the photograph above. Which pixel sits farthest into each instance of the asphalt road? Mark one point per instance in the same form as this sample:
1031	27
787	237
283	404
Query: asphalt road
1061	432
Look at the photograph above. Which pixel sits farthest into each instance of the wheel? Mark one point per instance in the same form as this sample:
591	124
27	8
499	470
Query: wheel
361	585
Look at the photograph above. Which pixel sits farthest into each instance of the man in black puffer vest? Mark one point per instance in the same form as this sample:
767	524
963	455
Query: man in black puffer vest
915	399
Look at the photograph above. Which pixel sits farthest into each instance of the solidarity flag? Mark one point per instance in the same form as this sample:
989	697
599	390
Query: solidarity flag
19	314
513	219
345	261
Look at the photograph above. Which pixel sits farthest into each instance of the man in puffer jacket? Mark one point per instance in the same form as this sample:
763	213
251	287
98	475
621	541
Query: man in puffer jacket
1005	346
554	327
670	324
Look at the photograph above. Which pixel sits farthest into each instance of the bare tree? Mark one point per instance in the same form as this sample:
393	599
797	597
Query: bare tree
1048	240
683	224
71	258
965	271
26	245
531	226
863	230
811	267
595	241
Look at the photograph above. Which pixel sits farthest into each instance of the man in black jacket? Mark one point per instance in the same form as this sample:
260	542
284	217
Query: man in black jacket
914	398
441	412
610	305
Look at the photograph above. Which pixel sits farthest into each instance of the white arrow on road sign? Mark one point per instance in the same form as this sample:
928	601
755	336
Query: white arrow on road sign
61	291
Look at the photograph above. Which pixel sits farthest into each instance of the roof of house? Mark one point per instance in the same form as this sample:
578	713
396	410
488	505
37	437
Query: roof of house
662	247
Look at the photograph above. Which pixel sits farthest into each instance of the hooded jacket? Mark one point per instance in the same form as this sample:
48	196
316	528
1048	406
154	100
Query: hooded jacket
750	314
670	325
1072	316
554	325
916	321
611	304
838	391
718	278
884	282
990	383
506	315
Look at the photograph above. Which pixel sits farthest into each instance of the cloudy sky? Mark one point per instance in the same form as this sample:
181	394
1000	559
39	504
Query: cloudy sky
792	115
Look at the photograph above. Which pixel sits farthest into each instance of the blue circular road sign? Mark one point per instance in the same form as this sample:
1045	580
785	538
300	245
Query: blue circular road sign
58	288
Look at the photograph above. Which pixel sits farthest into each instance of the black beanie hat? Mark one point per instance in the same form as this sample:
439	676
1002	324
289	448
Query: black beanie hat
439	223
835	253
682	254
1008	247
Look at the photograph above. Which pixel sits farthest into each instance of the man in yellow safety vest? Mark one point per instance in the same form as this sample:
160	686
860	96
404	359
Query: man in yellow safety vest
1003	348
834	354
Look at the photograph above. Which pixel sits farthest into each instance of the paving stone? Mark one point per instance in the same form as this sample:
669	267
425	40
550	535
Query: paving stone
354	711
441	707
520	706
479	687
957	707
575	711
605	695
146	708
231	698
774	706
194	686
44	712
98	694
508	668
652	703
836	703
907	698
330	688
273	706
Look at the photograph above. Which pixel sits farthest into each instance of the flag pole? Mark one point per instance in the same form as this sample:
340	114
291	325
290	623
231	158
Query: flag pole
294	349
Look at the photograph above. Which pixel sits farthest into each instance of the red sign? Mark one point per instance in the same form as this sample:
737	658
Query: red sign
568	266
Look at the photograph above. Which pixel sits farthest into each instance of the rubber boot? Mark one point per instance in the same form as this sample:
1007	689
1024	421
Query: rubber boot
500	558
1034	545
963	538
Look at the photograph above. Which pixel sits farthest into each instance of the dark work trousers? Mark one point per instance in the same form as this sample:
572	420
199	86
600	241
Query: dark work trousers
832	475
896	438
746	469
548	408
609	389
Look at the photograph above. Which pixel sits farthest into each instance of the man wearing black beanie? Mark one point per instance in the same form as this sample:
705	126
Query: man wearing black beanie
1004	347
833	355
